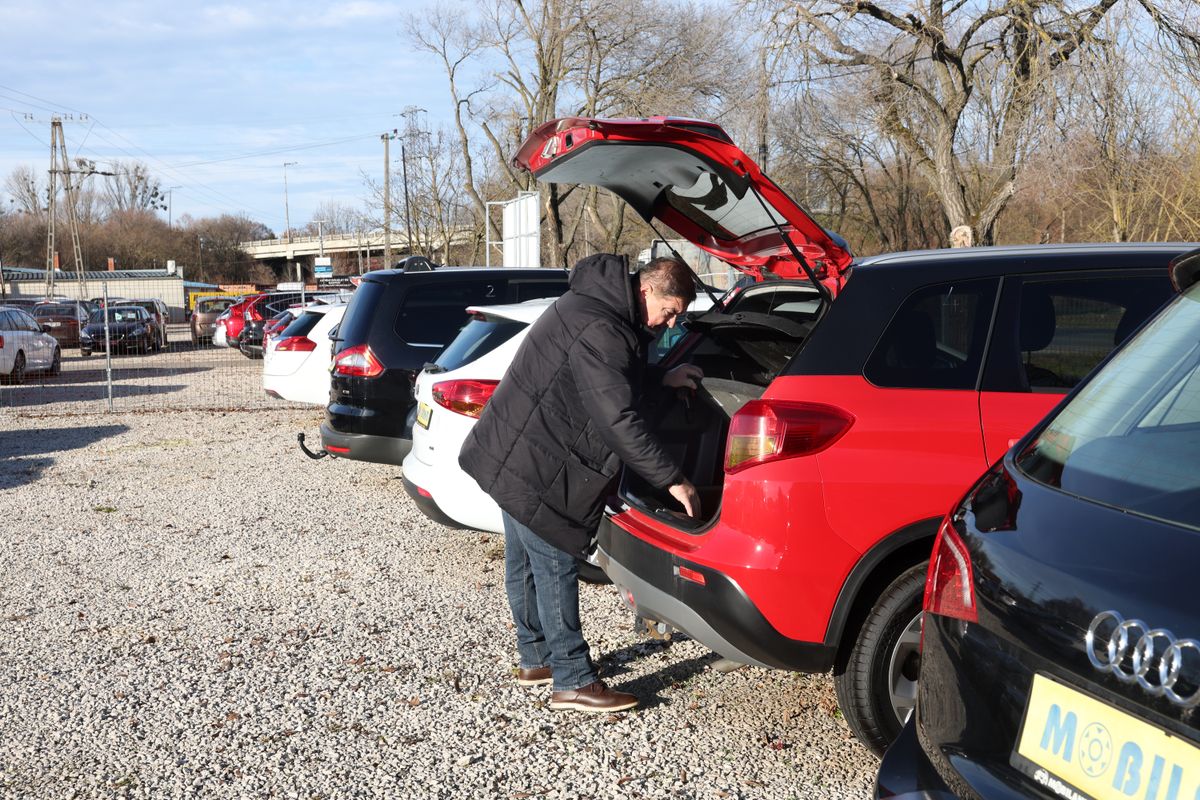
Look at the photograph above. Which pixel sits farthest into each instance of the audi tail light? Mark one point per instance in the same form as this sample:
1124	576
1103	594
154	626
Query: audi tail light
950	582
464	397
296	344
357	362
769	430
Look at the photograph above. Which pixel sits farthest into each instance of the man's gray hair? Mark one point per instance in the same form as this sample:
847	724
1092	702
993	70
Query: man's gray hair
669	277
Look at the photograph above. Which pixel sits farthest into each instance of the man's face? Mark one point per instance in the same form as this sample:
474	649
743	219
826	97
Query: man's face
660	311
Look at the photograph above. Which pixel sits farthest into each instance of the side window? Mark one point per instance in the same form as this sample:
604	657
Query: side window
936	340
6	321
26	322
433	313
1056	330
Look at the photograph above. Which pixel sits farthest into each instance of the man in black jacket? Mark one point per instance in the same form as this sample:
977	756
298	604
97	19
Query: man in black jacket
552	438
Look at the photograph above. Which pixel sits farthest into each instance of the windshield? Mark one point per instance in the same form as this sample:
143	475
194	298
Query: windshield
54	311
213	306
125	314
1131	437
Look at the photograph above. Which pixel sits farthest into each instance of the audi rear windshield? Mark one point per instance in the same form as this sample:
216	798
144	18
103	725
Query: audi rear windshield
1130	438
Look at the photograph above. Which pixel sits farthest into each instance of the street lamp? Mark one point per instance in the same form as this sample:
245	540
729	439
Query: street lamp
287	217
408	114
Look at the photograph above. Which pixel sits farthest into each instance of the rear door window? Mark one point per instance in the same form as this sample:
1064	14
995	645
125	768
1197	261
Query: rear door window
433	313
937	338
534	290
1053	330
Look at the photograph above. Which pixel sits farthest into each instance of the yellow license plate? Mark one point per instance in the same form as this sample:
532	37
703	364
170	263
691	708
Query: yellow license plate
424	412
1082	747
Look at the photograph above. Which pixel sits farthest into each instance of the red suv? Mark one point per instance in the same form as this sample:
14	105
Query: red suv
840	416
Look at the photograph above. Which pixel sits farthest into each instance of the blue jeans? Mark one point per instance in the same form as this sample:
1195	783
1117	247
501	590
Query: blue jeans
542	583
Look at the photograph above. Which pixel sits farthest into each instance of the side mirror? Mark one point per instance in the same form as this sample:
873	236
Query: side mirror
44	327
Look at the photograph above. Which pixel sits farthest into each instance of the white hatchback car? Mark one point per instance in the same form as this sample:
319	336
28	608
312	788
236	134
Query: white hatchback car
451	394
296	362
25	347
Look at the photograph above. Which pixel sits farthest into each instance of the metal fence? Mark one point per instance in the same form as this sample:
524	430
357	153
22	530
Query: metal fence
186	373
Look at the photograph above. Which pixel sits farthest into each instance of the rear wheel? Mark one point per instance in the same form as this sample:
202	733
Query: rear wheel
876	679
56	362
18	371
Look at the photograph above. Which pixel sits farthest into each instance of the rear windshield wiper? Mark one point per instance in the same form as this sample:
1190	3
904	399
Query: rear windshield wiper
433	368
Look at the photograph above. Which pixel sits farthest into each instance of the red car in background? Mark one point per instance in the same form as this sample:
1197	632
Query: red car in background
846	405
64	319
232	320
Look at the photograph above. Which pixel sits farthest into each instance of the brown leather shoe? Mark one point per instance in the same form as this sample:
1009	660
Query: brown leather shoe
595	697
538	676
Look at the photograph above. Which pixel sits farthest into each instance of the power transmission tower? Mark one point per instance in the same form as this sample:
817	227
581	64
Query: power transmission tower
61	165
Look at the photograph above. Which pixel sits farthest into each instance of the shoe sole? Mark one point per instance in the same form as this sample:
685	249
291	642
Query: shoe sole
542	682
569	706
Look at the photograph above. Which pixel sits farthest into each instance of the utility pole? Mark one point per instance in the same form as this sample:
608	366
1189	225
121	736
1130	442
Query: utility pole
287	216
387	198
58	150
408	113
170	197
320	237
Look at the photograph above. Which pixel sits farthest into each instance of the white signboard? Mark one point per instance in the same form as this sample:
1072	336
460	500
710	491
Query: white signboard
323	266
522	231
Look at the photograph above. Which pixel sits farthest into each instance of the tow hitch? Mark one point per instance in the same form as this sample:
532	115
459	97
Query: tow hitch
317	456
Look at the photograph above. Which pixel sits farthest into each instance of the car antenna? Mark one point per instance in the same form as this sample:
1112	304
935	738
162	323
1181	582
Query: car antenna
822	289
707	290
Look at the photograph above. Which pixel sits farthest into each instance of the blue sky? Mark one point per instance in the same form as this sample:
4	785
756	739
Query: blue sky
215	97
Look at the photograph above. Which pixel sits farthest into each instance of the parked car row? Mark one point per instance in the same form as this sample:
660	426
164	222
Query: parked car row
847	404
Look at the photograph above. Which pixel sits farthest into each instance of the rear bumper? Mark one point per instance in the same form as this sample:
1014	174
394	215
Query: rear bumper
907	774
364	446
718	614
428	506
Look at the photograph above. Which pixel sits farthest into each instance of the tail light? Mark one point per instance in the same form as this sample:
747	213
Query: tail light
950	582
1	341
357	362
296	344
768	430
464	397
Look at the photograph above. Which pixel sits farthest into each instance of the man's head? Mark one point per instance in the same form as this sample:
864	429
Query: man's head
665	290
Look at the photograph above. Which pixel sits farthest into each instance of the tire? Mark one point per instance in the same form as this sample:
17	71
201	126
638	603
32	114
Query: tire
17	375
56	362
876	677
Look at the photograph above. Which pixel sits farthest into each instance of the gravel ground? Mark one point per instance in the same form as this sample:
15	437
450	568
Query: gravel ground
189	607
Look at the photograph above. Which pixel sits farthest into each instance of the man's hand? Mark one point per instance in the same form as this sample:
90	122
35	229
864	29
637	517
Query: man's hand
685	376
685	493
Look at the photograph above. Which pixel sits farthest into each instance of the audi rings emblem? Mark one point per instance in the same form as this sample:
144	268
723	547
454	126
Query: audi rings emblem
1152	658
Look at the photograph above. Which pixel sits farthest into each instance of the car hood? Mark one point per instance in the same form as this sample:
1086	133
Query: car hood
114	328
690	175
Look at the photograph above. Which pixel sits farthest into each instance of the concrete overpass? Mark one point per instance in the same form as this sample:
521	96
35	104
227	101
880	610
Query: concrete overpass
368	243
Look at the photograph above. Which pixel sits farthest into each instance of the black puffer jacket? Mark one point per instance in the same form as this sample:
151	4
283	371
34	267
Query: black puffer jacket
566	414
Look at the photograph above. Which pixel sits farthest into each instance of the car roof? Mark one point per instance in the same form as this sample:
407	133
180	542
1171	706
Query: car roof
528	311
1030	256
386	275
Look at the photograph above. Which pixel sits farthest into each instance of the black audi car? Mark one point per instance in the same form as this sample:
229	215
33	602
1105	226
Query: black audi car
397	321
128	328
1061	641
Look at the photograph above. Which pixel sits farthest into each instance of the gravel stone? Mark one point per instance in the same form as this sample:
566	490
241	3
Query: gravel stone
190	607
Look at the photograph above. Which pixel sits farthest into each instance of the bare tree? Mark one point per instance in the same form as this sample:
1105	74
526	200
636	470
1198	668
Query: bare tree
958	85
27	192
133	188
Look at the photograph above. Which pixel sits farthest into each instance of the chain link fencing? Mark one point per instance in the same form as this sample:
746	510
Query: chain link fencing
175	366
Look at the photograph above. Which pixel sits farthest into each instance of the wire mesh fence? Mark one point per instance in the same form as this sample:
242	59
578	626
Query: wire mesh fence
161	357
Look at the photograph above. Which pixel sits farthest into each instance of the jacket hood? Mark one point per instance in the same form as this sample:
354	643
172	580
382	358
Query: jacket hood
605	277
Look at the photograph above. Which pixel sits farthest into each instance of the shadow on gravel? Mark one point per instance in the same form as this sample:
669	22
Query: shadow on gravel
80	393
613	666
54	440
124	372
20	471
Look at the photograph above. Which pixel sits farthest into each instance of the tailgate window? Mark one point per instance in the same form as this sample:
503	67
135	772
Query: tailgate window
481	336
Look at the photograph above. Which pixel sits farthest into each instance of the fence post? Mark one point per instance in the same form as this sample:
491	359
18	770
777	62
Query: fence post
107	346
